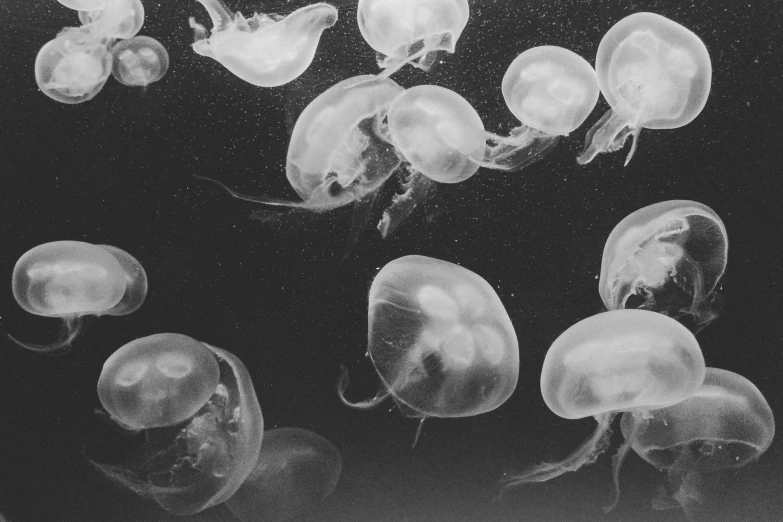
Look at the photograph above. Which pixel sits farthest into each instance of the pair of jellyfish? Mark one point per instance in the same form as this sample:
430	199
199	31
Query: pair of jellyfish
667	258
197	410
266	50
74	67
440	340
72	279
654	73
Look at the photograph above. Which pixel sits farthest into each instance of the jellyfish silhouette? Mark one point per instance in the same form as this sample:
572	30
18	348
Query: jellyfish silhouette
654	73
726	424
440	340
667	258
618	361
296	470
72	279
195	408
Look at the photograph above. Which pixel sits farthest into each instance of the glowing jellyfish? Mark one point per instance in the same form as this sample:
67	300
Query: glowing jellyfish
200	417
72	279
265	50
654	73
73	67
549	89
340	151
411	31
440	340
120	19
727	423
296	470
667	258
84	5
623	360
139	61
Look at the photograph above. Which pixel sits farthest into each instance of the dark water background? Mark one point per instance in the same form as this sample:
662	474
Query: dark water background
290	299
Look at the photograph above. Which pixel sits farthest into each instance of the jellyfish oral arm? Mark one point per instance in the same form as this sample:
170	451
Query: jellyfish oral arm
415	186
72	327
342	385
522	147
609	135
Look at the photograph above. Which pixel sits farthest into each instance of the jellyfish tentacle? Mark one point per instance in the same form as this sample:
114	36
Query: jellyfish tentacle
418	432
342	385
522	147
585	454
607	135
72	327
415	186
617	463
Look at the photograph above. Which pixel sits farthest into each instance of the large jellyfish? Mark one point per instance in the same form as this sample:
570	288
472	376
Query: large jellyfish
265	50
551	90
727	423
440	340
668	258
139	61
73	279
654	73
296	470
618	361
196	409
411	31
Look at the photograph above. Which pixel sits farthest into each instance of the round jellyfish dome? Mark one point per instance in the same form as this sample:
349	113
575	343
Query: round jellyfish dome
139	61
158	380
438	132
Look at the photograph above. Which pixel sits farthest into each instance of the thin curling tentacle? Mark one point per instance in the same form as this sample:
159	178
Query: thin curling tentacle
342	385
72	328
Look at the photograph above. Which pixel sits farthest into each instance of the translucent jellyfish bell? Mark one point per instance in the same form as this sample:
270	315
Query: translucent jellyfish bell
198	413
72	279
727	423
623	360
440	340
83	5
654	73
411	31
139	61
296	470
119	19
73	67
668	258
265	50
551	90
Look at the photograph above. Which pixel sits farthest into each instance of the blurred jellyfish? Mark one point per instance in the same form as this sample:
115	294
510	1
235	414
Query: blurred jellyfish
727	423
296	470
667	258
265	50
120	19
411	31
440	340
551	90
197	411
654	73
72	279
623	360
139	61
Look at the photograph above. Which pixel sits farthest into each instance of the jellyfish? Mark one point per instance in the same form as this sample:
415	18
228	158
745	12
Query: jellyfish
196	409
139	61
654	73
340	152
265	50
296	470
120	19
727	423
411	31
84	5
619	361
73	279
551	90
440	340
667	258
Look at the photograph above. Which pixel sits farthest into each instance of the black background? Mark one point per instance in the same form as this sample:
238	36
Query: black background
290	298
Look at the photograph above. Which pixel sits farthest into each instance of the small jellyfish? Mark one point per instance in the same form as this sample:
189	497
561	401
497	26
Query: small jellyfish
618	361
83	5
72	279
265	50
139	61
197	410
440	340
73	67
411	31
296	470
667	258
551	90
727	423
654	73
119	19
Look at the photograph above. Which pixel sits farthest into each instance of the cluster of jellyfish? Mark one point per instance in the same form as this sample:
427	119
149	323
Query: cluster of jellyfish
74	67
